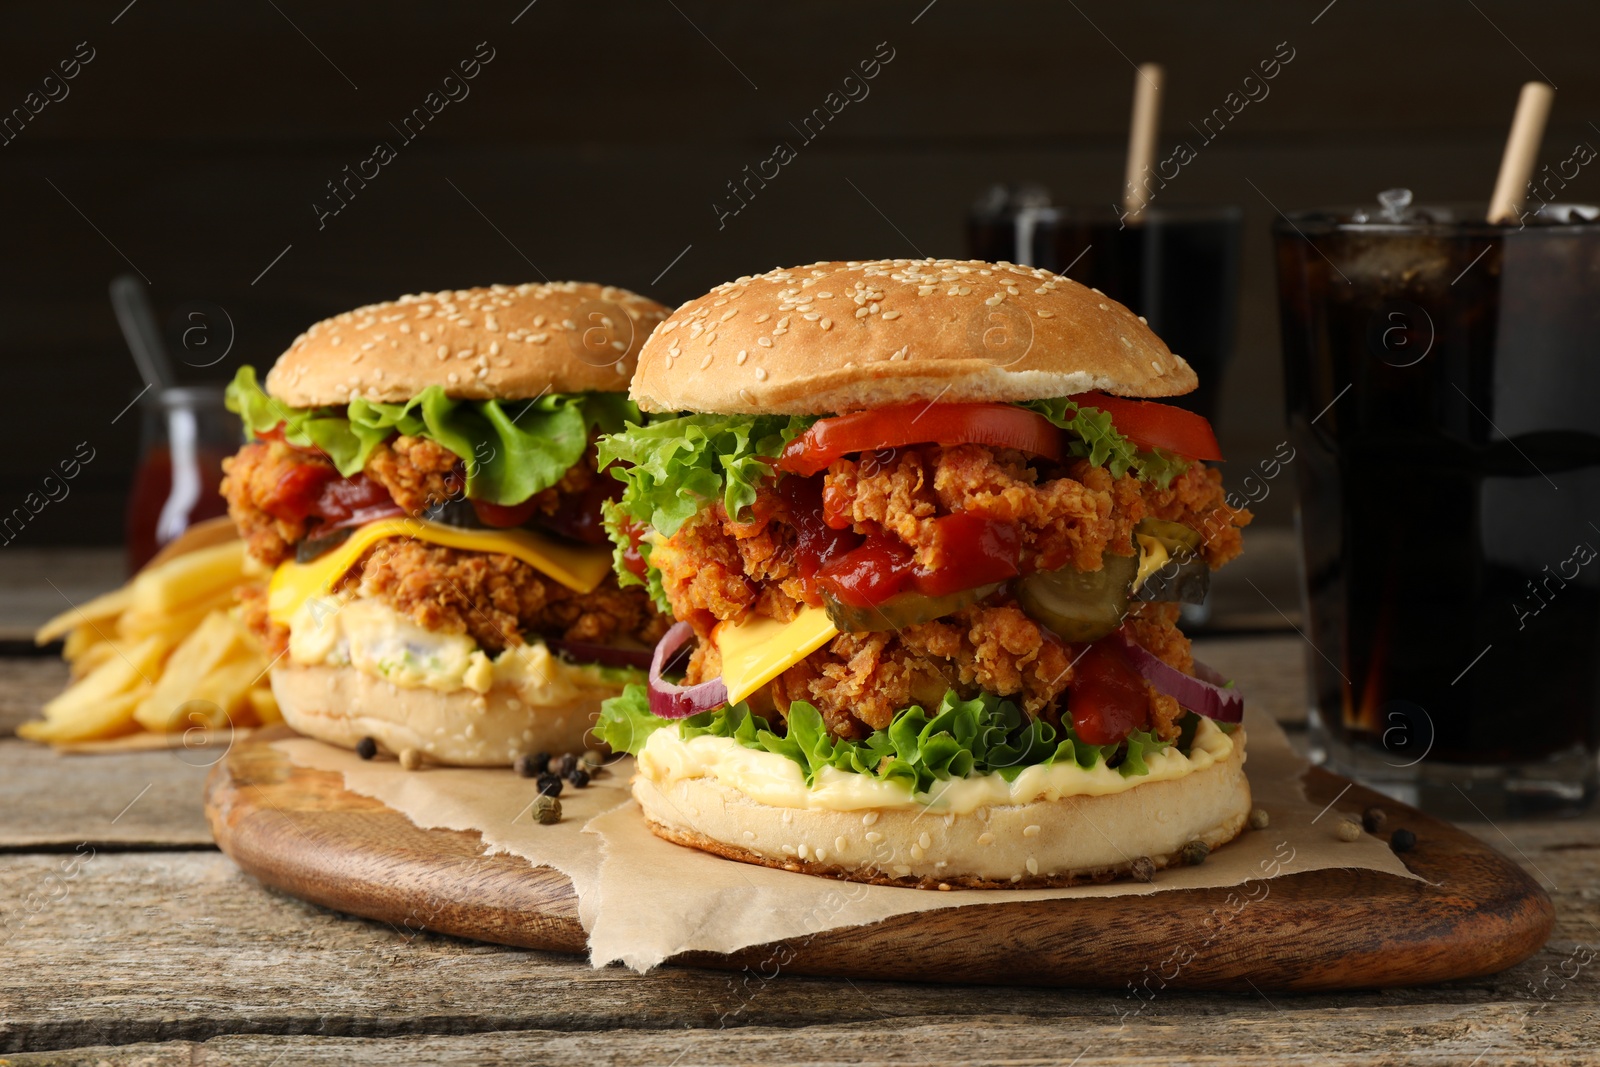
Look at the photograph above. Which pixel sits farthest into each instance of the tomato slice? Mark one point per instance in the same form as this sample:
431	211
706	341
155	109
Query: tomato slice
1151	425
632	558
1108	699
996	425
502	516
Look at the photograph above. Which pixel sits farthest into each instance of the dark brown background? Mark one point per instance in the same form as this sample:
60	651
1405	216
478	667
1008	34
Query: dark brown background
598	138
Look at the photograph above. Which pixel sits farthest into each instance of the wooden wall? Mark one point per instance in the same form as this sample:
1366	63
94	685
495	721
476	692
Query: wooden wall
596	140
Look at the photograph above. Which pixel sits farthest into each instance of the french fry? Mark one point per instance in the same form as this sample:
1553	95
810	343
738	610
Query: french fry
227	690
215	641
265	705
121	673
185	580
98	721
136	624
82	639
102	609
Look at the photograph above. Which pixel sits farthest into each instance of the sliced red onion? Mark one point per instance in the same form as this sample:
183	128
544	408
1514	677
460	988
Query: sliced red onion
1203	695
605	655
670	701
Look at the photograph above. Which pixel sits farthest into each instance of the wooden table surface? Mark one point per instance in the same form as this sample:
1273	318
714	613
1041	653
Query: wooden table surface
127	938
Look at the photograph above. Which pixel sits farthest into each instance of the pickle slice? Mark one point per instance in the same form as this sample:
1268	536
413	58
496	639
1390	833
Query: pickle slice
1184	579
901	610
1080	606
1178	538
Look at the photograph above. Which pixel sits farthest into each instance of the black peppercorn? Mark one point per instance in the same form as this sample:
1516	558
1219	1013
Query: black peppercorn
525	766
1402	840
565	764
540	761
366	748
578	777
1373	819
549	785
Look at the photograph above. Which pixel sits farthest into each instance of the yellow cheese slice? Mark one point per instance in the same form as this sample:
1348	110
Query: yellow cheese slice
758	649
1152	557
578	567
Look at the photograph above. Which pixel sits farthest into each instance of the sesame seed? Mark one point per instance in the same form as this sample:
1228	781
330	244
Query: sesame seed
704	363
839	844
764	342
763	317
925	841
442	351
452	378
1105	307
1144	320
869	818
1125	342
902	870
916	852
741	357
336	340
761	374
826	324
888	315
873	837
1030	831
862	312
1046	314
985	838
1033	865
995	299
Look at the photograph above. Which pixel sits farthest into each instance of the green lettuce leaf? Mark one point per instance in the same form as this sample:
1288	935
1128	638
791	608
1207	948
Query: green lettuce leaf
672	468
984	735
1097	440
510	451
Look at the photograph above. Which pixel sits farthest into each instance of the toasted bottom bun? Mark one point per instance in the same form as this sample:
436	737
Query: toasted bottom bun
1041	844
462	728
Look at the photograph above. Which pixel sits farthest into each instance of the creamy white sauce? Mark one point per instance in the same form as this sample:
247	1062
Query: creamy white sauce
776	780
371	637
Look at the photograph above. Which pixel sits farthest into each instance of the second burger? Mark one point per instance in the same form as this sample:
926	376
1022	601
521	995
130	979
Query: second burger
422	482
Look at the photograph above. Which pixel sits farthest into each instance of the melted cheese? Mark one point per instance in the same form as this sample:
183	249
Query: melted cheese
578	568
758	649
371	637
769	778
1152	557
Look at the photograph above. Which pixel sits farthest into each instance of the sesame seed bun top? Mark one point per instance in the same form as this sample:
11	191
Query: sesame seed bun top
834	337
500	342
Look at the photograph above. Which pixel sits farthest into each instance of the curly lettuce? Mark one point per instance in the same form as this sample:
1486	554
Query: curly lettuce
962	738
510	451
672	468
1095	438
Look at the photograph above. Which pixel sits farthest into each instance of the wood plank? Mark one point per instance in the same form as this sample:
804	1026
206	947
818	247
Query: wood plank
39	583
26	682
52	801
1234	1032
153	947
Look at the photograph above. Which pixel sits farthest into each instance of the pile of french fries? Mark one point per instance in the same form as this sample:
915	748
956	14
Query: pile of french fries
165	653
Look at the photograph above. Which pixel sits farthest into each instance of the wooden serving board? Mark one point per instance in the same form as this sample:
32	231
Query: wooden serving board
300	831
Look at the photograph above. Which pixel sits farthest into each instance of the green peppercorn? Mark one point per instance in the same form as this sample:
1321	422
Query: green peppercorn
1143	869
1259	819
546	809
1195	852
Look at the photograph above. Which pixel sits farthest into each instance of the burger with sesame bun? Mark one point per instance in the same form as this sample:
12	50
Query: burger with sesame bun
422	482
927	549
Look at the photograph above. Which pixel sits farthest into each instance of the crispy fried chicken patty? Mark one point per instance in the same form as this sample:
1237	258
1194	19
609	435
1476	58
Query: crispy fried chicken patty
496	599
714	569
